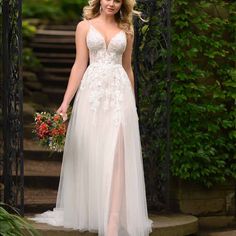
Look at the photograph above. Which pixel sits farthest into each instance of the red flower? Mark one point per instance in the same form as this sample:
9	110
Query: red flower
54	132
38	118
56	117
43	130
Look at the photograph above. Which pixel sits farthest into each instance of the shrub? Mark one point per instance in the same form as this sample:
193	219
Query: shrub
13	224
63	11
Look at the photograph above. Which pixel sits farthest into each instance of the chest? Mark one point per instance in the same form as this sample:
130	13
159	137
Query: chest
96	41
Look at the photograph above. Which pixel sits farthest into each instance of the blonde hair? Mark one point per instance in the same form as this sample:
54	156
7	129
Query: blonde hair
124	17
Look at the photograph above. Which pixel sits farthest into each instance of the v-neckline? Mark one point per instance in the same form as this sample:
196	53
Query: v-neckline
106	44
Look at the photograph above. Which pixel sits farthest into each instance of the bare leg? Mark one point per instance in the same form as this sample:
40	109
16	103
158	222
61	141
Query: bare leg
117	187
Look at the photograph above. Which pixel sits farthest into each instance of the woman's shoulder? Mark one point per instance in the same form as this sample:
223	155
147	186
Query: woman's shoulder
82	25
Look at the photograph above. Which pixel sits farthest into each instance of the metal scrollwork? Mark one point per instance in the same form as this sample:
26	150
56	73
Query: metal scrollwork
152	61
11	158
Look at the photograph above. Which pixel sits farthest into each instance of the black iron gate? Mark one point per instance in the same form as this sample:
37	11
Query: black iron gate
152	61
11	153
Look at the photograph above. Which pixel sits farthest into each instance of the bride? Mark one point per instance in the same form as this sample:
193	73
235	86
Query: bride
102	185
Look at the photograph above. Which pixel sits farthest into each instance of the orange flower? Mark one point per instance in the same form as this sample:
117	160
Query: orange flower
54	132
62	129
56	117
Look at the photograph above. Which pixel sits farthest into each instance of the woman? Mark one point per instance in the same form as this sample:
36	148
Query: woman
102	182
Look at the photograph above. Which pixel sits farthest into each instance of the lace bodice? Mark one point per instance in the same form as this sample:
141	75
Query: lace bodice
105	79
100	51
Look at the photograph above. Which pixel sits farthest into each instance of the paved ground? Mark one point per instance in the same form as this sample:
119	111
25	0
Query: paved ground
164	225
226	232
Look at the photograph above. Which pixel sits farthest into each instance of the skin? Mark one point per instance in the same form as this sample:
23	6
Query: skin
106	21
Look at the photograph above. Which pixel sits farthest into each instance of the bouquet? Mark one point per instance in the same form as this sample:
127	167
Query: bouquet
50	129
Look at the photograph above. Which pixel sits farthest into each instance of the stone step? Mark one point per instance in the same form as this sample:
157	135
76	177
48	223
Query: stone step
70	47
55	55
39	200
28	130
34	151
60	79
56	48
38	98
39	196
41	176
64	65
164	225
60	27
41	168
53	70
41	173
34	208
222	232
41	182
28	118
58	33
59	50
54	40
55	94
57	61
46	155
28	111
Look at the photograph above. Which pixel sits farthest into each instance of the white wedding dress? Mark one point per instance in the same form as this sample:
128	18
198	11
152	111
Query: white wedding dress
102	185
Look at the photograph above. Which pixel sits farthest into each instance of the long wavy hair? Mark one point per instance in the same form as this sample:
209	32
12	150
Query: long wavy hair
124	17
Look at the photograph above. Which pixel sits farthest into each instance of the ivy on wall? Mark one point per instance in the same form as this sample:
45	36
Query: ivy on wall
203	92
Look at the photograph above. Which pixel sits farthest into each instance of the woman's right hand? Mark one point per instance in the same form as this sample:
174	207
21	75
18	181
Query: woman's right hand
62	110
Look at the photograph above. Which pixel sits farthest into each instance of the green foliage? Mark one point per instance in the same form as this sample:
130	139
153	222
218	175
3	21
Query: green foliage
28	30
13	224
203	91
46	9
62	11
30	61
72	9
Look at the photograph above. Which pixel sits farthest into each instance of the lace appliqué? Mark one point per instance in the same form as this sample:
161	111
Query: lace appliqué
105	77
106	86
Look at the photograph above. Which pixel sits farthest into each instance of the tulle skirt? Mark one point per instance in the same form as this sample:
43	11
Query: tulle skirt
101	186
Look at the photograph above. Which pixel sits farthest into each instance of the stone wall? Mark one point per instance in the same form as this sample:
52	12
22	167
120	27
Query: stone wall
214	206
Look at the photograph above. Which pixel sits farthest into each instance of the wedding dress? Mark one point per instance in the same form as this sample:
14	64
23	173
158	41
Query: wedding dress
102	185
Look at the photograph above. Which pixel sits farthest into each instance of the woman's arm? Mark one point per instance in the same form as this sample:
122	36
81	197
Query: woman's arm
79	67
127	59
